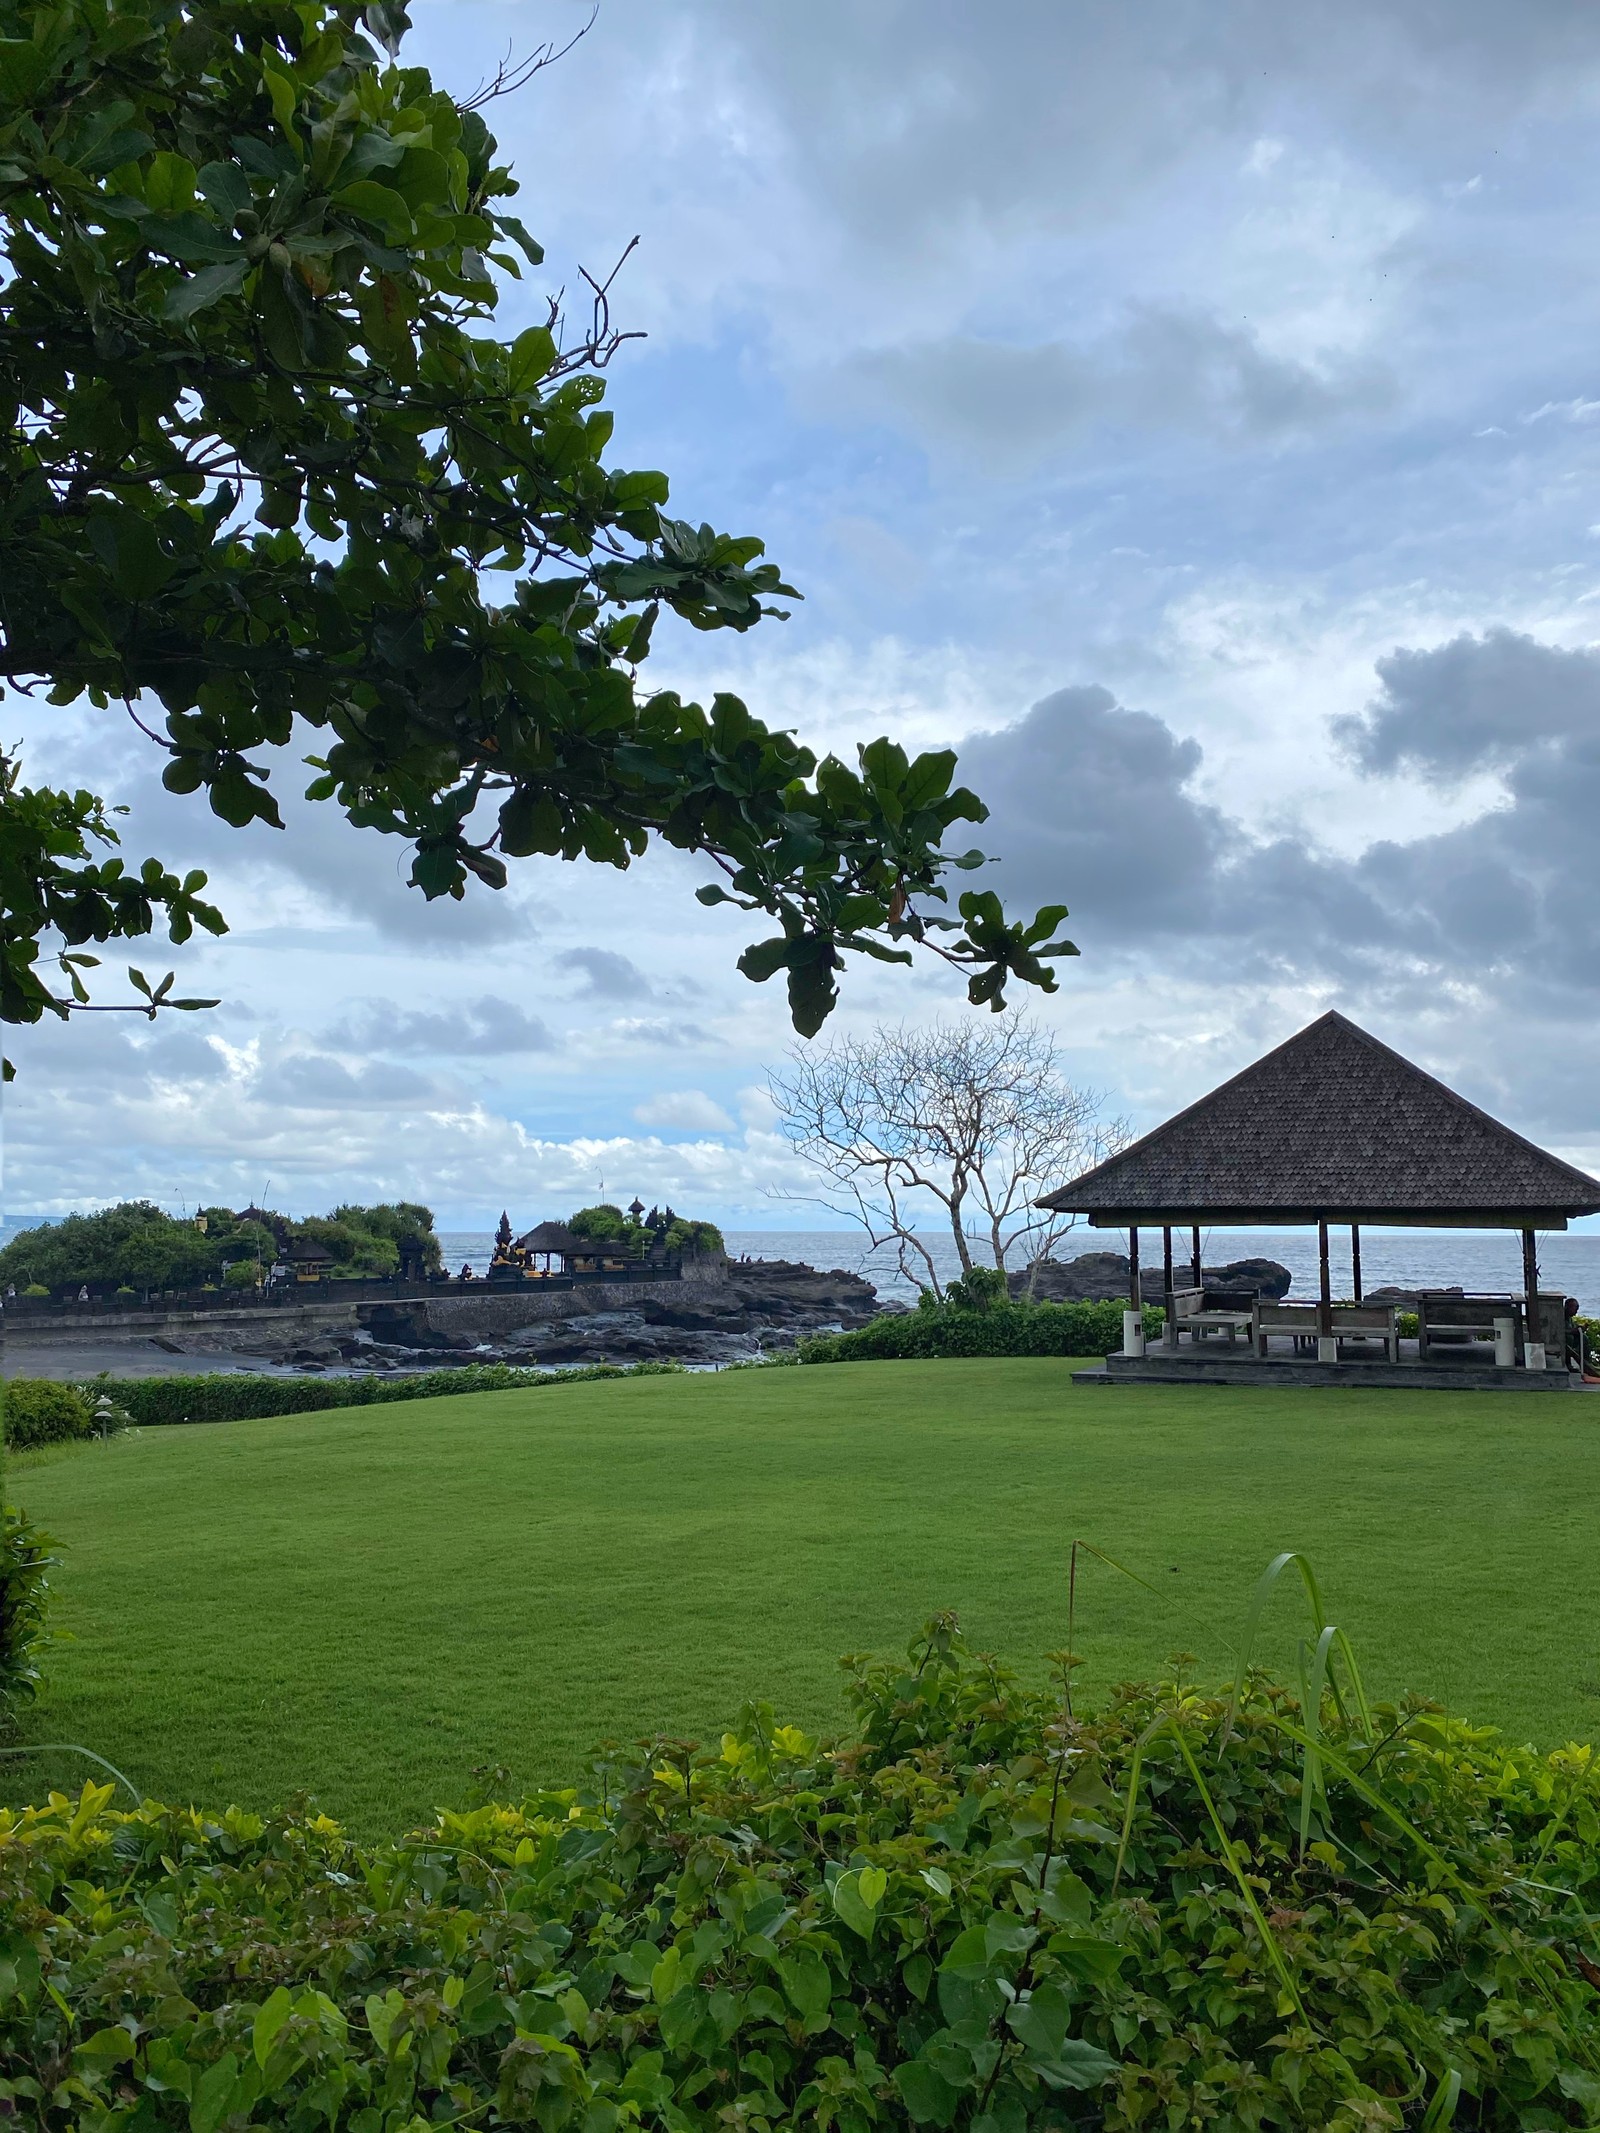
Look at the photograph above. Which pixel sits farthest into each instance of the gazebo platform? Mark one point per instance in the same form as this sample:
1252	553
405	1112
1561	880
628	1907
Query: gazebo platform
1214	1364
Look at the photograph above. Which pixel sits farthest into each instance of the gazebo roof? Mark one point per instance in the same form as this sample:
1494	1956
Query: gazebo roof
1332	1125
556	1237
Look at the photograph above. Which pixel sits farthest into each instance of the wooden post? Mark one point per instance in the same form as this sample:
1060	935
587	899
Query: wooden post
1325	1317
1169	1333
1530	1286
1132	1318
1355	1260
1194	1252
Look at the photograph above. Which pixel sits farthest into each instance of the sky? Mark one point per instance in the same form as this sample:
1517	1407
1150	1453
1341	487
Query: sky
1191	413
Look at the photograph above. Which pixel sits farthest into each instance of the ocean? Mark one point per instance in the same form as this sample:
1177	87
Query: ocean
1402	1259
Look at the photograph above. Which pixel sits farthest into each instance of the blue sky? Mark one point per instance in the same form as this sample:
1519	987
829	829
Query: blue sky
1221	380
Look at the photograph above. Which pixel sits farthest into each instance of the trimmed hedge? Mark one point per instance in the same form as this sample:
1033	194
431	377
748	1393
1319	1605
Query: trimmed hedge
39	1411
153	1401
1002	1329
975	1912
1013	1328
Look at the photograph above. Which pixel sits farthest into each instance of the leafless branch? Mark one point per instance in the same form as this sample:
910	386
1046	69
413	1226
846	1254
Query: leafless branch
514	74
972	1119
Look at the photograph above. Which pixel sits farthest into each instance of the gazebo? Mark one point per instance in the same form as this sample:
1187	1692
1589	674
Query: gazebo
1335	1129
578	1255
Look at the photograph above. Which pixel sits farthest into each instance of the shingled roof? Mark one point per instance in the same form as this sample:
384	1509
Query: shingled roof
1332	1125
556	1237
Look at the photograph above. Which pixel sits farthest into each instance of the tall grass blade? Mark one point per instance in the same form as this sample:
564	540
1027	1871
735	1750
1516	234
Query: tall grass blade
1258	1607
1447	1872
1268	1937
1168	1722
70	1747
1111	1563
1441	2112
1312	1684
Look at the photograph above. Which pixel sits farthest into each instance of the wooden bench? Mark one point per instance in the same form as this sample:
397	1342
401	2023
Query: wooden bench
1303	1322
1198	1312
1448	1319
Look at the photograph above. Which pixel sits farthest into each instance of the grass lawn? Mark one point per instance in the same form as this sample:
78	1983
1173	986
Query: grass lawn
370	1602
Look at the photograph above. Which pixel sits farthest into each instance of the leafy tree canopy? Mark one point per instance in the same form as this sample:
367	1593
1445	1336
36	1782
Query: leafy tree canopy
262	456
606	1223
137	1246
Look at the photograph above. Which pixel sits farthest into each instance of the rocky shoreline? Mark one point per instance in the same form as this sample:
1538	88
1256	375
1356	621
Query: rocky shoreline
750	1309
760	1309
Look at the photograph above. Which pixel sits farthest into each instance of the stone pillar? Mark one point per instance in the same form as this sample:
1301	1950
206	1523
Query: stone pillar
1133	1317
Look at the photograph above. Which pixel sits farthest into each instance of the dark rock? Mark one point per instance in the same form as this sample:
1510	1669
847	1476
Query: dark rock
1102	1277
1267	1277
1093	1277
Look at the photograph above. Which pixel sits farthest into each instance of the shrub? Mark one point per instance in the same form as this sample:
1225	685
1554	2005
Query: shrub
243	1274
995	1328
36	1288
973	1911
25	1563
243	1399
37	1411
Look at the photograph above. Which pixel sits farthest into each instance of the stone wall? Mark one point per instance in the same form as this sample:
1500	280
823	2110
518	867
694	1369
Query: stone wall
489	1313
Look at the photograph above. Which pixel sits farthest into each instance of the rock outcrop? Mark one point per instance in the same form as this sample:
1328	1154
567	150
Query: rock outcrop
1102	1277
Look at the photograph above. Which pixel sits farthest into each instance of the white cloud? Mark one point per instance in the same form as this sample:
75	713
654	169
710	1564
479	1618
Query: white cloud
684	1111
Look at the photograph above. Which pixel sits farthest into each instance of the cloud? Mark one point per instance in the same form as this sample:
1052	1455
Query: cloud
1165	368
606	975
1095	805
488	1027
1480	701
658	1031
685	1111
315	1081
1091	806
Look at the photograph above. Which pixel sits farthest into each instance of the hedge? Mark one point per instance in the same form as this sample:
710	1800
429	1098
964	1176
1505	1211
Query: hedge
974	1911
1001	1329
219	1398
1013	1328
39	1411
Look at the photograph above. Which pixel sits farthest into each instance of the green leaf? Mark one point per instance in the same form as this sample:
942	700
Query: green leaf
851	1906
23	68
1040	2021
270	2018
1076	2066
169	183
532	355
928	779
212	2096
928	2097
765	958
224	187
281	90
107	2047
808	1982
1087	1956
376	203
202	290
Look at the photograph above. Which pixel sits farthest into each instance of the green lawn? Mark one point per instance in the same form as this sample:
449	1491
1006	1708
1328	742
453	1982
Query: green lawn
371	1602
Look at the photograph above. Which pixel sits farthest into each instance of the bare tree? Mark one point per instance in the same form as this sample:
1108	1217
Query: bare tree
974	1119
